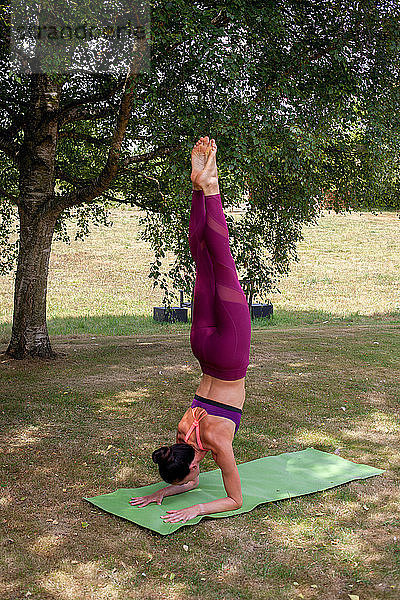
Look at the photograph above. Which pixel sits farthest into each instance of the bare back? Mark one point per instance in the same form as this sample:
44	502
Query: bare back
215	432
228	392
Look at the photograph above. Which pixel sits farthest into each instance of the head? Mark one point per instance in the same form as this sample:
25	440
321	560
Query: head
176	463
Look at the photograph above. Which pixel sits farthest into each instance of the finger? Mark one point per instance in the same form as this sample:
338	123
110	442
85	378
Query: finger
173	518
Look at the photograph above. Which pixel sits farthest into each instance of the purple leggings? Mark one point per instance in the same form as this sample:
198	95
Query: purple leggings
221	326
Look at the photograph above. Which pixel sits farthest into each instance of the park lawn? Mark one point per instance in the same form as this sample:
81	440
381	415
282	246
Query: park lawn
348	269
86	423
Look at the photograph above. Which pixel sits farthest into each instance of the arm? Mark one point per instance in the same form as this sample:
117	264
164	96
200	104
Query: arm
225	459
170	490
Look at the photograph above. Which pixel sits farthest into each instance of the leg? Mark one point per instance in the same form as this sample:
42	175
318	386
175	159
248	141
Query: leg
229	353
225	351
204	289
217	239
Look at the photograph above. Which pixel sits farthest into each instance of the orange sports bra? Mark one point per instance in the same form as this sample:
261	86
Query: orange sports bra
196	425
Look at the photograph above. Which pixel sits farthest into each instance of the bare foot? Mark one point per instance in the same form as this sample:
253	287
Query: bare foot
207	179
199	158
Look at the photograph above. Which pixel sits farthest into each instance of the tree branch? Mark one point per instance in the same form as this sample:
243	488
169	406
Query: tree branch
146	157
60	174
158	152
157	184
110	197
99	184
221	19
75	135
68	112
80	114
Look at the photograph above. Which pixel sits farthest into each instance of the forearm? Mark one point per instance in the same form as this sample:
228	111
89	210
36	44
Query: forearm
220	505
172	490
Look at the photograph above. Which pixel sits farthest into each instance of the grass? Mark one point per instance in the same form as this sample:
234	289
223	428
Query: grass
348	272
323	373
87	422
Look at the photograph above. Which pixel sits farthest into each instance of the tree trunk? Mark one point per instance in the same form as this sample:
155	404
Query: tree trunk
29	333
37	221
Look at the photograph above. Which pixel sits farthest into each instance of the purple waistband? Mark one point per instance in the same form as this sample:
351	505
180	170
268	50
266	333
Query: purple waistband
217	409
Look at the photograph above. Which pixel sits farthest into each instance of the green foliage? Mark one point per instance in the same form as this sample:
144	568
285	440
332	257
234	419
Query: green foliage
83	216
302	98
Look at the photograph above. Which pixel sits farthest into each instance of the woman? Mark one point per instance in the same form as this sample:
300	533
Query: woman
220	340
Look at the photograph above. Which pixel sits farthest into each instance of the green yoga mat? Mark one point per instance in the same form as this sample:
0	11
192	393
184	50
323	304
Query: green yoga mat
263	480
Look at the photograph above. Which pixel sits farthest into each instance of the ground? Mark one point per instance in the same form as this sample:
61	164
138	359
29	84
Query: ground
324	372
87	423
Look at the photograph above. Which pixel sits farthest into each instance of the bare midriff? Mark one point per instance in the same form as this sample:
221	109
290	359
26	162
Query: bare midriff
219	390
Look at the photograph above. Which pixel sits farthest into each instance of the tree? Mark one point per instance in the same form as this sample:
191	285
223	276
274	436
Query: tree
285	88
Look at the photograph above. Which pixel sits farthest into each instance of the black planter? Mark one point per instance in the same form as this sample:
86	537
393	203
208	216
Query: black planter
170	315
259	311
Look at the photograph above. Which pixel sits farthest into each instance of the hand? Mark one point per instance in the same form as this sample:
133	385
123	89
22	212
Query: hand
141	501
185	514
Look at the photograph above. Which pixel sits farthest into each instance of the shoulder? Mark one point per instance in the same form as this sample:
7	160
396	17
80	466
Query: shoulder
217	437
224	456
217	432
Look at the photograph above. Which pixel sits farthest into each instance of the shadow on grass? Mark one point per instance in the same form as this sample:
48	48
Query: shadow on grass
118	325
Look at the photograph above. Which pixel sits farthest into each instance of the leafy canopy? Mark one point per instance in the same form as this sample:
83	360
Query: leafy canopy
301	97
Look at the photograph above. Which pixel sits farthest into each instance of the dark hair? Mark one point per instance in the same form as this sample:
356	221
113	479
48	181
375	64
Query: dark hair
173	461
